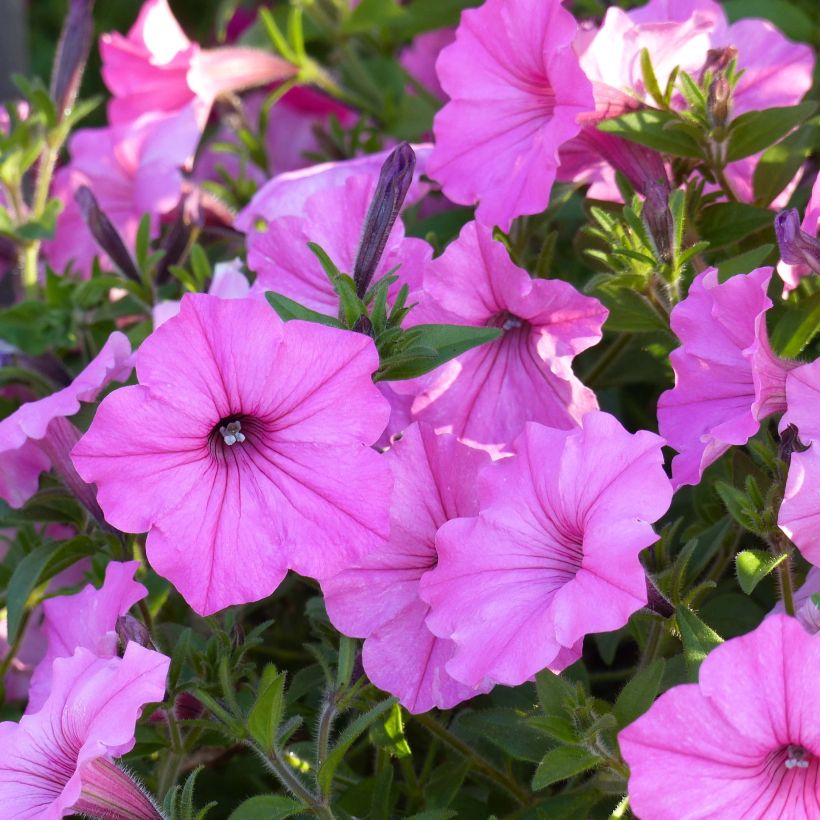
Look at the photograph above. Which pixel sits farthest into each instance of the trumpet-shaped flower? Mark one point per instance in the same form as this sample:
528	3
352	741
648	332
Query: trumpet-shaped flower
58	761
243	451
87	619
435	479
31	436
516	91
486	395
553	554
333	218
726	376
157	69
742	742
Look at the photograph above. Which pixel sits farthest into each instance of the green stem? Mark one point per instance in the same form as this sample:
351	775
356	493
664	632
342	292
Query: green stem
784	574
608	358
653	644
293	784
724	183
325	725
480	765
176	752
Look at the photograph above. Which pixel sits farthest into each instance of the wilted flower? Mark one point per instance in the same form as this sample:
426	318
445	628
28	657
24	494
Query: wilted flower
435	479
59	760
727	379
87	619
742	742
243	451
38	434
516	91
486	395
553	554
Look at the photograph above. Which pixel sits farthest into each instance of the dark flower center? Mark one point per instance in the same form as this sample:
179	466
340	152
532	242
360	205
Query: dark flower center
506	321
797	757
234	431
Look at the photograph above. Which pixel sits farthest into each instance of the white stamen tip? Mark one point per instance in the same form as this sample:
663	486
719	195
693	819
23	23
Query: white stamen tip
230	433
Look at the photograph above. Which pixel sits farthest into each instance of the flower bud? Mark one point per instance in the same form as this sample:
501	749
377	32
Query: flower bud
129	629
719	101
188	707
790	443
658	220
72	55
394	182
796	246
717	59
105	233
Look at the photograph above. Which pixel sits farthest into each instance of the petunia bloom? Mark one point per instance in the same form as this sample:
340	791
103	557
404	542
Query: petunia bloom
35	435
805	609
87	619
486	395
333	218
419	59
243	451
552	555
435	480
799	245
59	760
799	515
727	379
742	742
516	91
157	69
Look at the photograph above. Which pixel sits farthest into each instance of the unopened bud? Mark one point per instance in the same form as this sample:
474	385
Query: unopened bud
129	629
790	443
719	101
105	233
394	182
717	59
179	237
658	220
72	54
796	246
187	707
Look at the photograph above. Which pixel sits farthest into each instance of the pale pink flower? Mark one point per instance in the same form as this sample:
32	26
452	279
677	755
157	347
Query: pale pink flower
486	395
132	170
790	243
59	761
727	379
553	554
286	194
36	433
157	69
516	91
435	479
419	58
332	218
742	742
243	451
87	619
805	610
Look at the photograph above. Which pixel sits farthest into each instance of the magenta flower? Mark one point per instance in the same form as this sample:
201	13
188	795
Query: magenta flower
243	451
333	218
87	619
486	395
419	59
799	246
727	379
553	554
742	742
157	69
37	434
805	610
435	479
58	761
516	91
132	170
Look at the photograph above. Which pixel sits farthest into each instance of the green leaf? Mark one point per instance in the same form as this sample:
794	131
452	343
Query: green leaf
752	566
795	23
755	130
698	639
797	326
629	311
42	228
266	714
267	807
554	693
743	263
779	163
508	730
728	222
639	694
288	309
650	81
740	506
652	129
389	733
562	763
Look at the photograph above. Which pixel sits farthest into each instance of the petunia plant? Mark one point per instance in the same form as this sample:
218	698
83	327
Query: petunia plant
409	409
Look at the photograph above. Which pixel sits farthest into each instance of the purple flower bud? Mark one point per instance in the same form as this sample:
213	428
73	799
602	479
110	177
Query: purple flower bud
719	101
129	629
790	443
187	707
717	59
796	246
105	233
658	220
189	219
641	166
72	55
394	182
110	792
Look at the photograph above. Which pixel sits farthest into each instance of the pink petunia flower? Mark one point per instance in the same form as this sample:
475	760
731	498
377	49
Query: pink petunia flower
333	218
553	554
435	480
486	395
132	170
243	451
516	91
87	619
805	610
742	742
37	434
419	59
157	69
727	379
799	249
59	761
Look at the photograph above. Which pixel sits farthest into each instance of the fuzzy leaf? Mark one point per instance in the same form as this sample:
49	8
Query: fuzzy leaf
755	130
562	763
752	566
